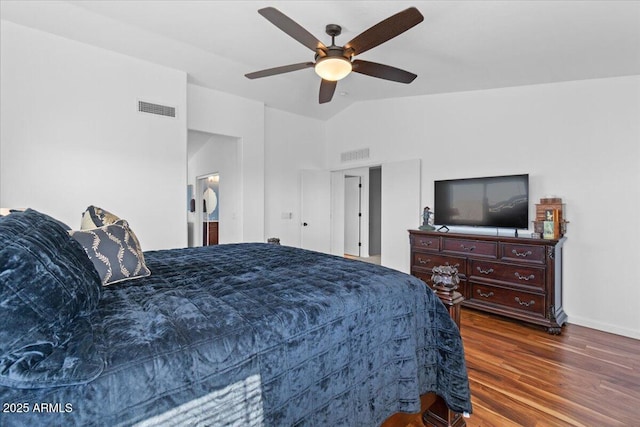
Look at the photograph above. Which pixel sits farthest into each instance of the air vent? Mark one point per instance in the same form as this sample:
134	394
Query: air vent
351	156
160	110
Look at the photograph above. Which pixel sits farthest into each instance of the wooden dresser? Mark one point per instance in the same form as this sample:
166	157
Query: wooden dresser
515	277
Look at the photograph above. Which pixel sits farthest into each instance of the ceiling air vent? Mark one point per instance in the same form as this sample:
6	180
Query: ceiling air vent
350	156
160	110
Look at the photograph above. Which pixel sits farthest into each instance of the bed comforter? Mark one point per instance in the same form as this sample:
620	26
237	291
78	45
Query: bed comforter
252	335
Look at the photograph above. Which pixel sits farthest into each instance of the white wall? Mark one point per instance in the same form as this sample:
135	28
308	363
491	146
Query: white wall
293	143
577	140
71	135
220	113
218	154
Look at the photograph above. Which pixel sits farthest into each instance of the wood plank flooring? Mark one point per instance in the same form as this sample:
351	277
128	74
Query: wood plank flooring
522	376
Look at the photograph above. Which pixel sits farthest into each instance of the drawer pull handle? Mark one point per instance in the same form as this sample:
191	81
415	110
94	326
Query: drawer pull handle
526	304
467	248
489	295
489	271
427	243
522	254
527	278
424	261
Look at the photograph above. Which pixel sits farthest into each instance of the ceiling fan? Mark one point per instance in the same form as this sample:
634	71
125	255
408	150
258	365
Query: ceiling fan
333	63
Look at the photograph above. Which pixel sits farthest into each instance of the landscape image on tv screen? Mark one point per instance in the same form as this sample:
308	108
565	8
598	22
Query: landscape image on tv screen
501	201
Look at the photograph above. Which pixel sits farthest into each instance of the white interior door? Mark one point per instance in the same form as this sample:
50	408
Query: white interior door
315	210
352	215
400	211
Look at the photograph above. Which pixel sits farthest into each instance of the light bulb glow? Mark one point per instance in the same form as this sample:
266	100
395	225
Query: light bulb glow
333	68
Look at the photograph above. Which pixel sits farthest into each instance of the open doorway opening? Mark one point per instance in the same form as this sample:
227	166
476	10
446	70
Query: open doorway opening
398	210
208	191
356	213
214	159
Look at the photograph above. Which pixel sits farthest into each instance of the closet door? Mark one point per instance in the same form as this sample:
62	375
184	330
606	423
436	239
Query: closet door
316	210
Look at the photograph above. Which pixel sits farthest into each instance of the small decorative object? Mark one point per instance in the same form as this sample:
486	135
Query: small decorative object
548	229
426	220
445	276
550	222
445	281
273	240
550	214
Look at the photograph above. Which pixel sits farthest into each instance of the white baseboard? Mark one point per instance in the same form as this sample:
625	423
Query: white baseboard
604	327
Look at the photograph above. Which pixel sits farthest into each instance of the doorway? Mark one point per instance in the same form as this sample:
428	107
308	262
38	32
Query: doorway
390	199
209	212
355	213
210	155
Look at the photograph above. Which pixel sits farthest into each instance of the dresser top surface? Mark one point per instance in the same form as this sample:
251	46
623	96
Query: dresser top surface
486	237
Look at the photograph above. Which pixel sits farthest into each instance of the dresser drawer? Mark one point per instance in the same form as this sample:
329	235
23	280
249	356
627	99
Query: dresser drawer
522	253
426	242
426	260
470	247
520	275
514	299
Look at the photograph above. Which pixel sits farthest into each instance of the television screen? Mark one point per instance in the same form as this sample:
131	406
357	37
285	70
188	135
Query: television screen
498	201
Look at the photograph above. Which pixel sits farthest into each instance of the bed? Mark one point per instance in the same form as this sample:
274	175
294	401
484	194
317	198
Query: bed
249	334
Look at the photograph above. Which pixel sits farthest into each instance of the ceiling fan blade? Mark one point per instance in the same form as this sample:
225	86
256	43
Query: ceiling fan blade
327	89
382	71
292	28
385	30
279	70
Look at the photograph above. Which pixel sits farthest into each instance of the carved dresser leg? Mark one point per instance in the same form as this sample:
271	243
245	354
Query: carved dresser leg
439	414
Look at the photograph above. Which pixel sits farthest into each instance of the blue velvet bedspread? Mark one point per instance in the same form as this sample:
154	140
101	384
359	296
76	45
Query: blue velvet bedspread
258	334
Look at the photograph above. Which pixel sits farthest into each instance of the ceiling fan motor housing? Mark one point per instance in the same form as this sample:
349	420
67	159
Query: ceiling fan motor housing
333	52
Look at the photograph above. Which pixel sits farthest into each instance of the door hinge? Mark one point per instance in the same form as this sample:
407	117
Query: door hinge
359	244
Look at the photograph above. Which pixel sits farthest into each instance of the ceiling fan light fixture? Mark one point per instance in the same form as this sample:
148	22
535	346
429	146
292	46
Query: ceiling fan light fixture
333	68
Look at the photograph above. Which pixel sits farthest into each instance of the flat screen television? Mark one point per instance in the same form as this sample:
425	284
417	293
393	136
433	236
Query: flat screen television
495	201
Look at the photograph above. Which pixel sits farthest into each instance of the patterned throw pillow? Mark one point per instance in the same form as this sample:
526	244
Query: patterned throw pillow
94	217
114	251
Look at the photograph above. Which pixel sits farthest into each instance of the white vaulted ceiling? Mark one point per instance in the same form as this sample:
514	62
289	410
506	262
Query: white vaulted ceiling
460	45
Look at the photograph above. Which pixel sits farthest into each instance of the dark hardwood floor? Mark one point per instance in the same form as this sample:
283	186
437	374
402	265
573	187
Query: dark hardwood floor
522	376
